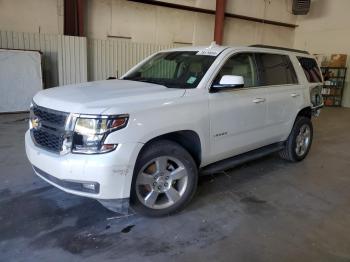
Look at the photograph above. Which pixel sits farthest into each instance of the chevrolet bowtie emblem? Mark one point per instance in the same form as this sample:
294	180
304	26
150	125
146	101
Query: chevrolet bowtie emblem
36	124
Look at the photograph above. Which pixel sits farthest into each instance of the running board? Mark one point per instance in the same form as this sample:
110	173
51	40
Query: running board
240	159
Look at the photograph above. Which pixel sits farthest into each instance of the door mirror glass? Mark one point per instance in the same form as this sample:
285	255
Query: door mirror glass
229	81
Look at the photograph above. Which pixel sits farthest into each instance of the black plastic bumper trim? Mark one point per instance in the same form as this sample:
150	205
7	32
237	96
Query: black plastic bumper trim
72	185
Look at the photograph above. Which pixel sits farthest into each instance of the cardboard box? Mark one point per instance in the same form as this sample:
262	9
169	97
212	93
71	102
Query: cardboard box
338	60
328	102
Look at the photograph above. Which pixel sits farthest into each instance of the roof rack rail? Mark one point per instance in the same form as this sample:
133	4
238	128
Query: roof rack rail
282	48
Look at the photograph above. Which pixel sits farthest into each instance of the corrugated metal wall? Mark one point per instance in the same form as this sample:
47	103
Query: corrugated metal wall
63	57
47	44
113	57
72	60
68	59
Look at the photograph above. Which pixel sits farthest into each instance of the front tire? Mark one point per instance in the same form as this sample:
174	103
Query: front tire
165	179
299	141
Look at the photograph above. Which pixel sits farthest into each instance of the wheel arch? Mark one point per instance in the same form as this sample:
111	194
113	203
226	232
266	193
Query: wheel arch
188	139
306	112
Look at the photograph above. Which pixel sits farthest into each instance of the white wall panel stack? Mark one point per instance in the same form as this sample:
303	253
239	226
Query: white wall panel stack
45	43
63	57
20	79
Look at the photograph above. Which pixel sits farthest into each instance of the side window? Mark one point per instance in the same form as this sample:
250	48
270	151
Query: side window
311	69
241	65
275	69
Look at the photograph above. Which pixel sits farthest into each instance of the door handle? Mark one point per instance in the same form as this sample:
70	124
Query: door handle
259	100
295	95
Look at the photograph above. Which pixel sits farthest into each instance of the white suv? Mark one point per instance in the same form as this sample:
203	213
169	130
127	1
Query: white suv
146	137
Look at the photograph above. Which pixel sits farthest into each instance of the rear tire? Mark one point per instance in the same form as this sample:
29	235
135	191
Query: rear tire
299	141
165	179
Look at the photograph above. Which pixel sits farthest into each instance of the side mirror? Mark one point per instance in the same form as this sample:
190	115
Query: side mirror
228	82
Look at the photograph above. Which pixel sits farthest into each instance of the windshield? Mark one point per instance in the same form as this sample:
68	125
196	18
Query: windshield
173	69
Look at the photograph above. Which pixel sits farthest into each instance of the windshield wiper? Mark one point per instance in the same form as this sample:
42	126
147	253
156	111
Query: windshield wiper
146	81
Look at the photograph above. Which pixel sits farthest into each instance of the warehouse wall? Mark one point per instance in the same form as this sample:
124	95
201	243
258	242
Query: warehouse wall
152	24
33	16
325	30
151	28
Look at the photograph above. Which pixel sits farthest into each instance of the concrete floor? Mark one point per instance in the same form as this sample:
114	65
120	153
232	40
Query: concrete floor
267	210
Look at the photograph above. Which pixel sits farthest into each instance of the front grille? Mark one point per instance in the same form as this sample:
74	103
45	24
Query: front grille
49	141
49	134
50	116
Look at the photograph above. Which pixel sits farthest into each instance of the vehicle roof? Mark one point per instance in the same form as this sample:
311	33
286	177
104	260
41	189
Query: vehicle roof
217	49
212	47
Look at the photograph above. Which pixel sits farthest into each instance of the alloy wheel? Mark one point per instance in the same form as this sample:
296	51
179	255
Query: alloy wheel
161	182
303	140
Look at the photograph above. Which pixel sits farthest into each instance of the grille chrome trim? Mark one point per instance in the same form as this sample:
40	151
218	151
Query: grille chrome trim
49	115
51	132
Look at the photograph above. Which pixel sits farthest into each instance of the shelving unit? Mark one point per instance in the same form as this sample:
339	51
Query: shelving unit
334	82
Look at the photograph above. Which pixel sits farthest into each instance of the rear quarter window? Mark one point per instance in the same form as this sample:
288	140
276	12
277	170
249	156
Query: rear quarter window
275	69
311	70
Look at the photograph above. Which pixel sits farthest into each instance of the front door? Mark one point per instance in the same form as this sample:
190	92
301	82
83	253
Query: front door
238	115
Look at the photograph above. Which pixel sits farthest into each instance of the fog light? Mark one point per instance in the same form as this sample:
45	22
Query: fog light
90	186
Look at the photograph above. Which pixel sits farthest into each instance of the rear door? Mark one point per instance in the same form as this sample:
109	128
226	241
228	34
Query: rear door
285	94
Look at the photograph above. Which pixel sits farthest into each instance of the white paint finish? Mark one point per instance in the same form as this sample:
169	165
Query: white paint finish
34	16
325	30
108	96
227	123
165	114
113	176
237	124
284	103
231	80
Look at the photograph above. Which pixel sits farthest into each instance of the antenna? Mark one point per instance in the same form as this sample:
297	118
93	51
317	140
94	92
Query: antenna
213	44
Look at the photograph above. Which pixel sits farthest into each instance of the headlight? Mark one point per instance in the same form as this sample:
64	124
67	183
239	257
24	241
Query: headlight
91	131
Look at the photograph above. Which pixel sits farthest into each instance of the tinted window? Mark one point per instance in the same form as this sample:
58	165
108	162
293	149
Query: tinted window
275	69
240	65
311	69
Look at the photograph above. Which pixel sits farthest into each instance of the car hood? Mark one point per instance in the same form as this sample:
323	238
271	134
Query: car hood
101	96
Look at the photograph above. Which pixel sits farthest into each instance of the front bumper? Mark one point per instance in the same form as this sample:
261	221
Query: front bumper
111	172
316	110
